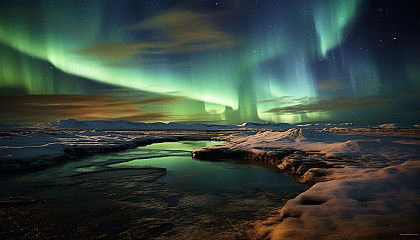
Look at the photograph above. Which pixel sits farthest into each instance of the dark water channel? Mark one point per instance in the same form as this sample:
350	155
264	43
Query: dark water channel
151	192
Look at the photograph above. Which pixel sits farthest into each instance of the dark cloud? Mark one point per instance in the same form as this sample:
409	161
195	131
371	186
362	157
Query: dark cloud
43	108
289	100
175	32
332	85
337	104
113	50
183	31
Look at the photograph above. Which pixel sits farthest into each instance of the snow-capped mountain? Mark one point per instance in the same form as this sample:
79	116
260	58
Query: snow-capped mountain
127	125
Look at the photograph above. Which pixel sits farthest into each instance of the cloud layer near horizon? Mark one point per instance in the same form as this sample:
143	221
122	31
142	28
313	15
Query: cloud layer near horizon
44	108
342	104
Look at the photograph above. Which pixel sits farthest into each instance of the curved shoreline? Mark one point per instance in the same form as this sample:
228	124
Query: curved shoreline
306	165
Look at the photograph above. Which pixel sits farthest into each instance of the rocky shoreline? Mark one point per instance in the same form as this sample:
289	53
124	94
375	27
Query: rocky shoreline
311	166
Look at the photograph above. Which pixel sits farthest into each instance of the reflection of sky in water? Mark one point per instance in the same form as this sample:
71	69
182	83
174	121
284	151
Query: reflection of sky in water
213	200
183	172
182	145
208	176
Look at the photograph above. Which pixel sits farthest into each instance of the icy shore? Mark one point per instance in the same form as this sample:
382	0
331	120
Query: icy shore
29	150
362	187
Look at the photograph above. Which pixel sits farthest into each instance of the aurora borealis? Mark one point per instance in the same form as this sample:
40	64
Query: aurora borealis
210	61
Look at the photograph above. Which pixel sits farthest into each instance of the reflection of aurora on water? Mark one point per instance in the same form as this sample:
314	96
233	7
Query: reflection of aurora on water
229	62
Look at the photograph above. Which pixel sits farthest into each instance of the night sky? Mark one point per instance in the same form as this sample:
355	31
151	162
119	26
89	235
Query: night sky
224	62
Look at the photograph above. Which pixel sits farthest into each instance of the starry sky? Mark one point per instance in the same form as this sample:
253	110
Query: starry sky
224	62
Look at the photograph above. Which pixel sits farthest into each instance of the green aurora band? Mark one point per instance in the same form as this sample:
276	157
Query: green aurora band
226	70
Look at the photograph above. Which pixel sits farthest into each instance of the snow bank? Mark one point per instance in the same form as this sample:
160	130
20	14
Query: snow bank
392	126
37	150
363	187
377	205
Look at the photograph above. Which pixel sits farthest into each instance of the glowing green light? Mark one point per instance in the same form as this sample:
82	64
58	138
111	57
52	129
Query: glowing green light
217	72
331	19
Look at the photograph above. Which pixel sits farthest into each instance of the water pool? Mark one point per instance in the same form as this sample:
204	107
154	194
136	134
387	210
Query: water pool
155	192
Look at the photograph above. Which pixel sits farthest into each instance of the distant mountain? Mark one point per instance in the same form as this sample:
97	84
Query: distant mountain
327	125
270	125
127	125
90	125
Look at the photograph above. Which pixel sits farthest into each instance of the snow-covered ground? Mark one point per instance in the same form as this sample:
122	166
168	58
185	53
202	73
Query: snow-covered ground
364	187
364	182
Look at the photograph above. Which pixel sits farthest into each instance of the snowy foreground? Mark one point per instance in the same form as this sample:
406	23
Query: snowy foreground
363	187
364	183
